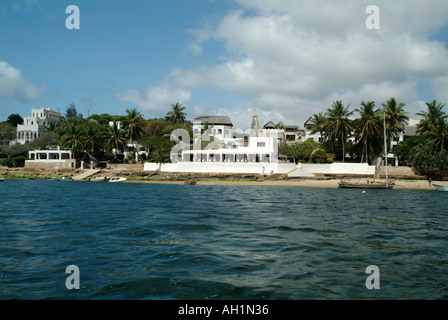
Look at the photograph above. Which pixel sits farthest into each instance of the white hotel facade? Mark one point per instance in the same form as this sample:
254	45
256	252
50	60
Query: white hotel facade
36	124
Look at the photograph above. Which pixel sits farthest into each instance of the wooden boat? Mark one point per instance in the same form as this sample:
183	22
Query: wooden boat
440	188
117	179
368	185
62	179
98	179
190	182
2	179
372	184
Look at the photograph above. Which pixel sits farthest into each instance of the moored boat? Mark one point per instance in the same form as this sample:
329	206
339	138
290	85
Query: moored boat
368	185
98	179
440	187
62	179
190	182
2	179
117	179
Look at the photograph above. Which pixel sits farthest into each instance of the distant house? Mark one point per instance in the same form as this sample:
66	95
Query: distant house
36	124
293	133
308	128
55	158
220	127
270	125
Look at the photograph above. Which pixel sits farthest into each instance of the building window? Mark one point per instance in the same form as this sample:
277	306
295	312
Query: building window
219	131
261	144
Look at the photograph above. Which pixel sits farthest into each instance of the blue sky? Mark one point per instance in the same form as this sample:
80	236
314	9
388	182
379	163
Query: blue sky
288	59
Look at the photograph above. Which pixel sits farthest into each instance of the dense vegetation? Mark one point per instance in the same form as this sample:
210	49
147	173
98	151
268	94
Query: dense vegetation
370	129
356	135
101	136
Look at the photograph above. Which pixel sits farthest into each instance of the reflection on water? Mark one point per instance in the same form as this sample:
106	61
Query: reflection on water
148	241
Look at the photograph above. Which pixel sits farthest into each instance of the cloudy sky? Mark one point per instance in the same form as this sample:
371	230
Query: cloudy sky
288	59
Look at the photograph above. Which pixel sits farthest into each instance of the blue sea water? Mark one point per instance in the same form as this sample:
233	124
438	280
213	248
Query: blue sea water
170	242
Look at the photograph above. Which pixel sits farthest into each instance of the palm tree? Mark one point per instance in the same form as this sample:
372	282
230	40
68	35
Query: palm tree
395	118
318	124
133	125
115	139
430	117
368	127
51	127
176	115
91	139
437	135
73	139
338	125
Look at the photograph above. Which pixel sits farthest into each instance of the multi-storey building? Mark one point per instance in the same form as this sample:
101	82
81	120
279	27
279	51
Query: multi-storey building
36	124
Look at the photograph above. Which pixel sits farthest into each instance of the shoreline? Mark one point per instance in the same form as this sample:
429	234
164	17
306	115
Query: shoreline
401	183
303	183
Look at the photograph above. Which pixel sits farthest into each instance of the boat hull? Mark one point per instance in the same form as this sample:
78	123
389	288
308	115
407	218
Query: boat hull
366	186
440	188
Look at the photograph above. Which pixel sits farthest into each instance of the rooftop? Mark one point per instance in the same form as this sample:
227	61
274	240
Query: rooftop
214	120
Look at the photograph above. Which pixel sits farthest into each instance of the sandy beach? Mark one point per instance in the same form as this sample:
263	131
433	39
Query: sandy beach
420	183
303	183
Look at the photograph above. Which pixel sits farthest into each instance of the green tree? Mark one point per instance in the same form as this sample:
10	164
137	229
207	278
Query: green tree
7	133
15	119
338	126
318	125
73	139
395	118
92	138
115	139
368	127
133	124
176	114
429	161
437	135
434	112
71	111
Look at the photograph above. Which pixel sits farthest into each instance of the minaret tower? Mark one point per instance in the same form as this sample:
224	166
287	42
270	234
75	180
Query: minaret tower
255	126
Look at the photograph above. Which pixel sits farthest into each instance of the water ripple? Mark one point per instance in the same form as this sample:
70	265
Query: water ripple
148	241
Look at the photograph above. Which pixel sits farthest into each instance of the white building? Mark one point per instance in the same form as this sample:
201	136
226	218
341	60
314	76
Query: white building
259	149
50	159
131	147
222	145
36	124
218	127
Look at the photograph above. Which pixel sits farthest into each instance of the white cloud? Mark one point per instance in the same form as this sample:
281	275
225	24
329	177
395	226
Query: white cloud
14	86
293	58
157	99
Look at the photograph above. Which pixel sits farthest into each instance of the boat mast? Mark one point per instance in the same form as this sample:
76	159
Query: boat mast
385	145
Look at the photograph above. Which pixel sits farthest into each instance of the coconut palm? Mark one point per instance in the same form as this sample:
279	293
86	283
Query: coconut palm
338	125
437	135
91	139
176	114
133	127
133	124
395	119
430	117
368	127
318	124
73	139
115	138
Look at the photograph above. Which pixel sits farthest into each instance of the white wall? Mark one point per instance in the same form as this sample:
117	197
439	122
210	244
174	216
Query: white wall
310	169
212	167
300	170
